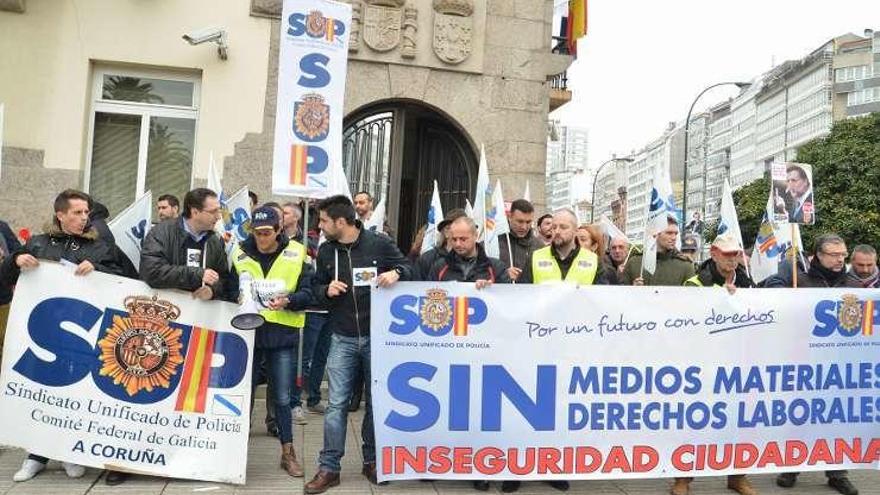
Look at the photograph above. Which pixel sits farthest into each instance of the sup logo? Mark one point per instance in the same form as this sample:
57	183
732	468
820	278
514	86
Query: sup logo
436	314
315	25
848	317
142	356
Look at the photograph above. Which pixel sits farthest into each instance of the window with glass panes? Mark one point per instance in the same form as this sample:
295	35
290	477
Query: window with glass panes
142	135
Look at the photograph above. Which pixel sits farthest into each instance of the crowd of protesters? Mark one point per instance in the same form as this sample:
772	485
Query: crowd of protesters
320	290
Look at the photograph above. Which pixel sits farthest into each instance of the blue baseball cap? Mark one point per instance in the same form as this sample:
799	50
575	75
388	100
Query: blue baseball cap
264	217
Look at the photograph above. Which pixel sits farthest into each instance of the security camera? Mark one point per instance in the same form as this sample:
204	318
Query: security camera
208	35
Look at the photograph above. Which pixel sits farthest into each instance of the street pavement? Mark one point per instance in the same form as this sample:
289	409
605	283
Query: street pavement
264	476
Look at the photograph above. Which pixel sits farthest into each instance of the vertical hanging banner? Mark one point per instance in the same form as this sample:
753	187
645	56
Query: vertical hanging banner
107	372
312	64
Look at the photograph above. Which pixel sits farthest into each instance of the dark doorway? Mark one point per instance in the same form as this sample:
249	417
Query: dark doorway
396	150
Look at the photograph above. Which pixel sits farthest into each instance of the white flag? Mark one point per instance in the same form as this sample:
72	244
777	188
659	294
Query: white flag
235	222
468	209
435	216
772	245
728	224
483	198
131	226
527	194
611	230
498	221
662	205
376	223
214	183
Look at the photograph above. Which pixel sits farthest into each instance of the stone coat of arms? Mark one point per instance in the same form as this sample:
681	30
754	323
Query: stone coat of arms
382	26
453	30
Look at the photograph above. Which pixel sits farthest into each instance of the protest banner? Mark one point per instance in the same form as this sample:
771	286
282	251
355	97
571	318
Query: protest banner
793	193
566	382
106	372
312	63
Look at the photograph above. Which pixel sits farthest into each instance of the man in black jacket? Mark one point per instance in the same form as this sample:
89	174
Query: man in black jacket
185	253
827	269
8	245
348	264
68	238
467	260
521	241
423	266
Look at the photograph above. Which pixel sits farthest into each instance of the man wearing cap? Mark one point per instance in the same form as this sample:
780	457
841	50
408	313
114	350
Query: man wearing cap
722	269
281	283
690	245
423	266
521	241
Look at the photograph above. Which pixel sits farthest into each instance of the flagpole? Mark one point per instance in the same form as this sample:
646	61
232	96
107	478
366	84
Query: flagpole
794	251
302	330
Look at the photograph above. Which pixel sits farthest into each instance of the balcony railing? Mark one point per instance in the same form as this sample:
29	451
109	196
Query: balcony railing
559	81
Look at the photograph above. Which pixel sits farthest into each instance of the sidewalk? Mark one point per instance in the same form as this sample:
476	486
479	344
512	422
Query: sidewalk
265	477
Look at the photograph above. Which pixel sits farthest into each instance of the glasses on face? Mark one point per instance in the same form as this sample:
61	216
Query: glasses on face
835	255
213	212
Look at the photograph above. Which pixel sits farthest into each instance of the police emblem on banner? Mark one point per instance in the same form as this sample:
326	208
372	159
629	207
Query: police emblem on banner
311	118
436	311
850	313
316	24
141	351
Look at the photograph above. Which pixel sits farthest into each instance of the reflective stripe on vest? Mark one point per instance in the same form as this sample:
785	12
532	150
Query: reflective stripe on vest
545	268
695	281
287	268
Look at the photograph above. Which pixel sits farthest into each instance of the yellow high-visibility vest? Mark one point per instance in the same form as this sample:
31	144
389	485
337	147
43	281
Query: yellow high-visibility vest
545	268
286	267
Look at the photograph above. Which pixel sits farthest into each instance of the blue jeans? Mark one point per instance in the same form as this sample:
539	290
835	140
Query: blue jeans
318	362
280	366
345	354
310	333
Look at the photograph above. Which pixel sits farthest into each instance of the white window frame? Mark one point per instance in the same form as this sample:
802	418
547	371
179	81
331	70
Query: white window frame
144	110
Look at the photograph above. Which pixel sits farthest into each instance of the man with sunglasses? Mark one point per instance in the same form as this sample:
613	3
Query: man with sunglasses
282	287
185	253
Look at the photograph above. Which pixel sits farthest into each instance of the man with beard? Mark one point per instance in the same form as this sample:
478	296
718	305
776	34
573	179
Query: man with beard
351	261
520	242
863	267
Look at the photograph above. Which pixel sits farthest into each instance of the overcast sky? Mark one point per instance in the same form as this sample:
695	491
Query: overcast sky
643	61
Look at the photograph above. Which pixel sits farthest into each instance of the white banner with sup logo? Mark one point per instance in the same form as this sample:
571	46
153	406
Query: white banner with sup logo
313	58
559	382
105	372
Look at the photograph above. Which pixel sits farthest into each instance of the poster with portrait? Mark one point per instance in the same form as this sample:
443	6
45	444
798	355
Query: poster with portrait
793	200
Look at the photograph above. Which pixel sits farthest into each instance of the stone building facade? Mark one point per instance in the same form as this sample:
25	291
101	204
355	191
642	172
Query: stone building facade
444	77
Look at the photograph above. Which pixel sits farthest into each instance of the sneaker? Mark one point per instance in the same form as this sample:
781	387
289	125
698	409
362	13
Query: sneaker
73	470
316	408
29	469
299	417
